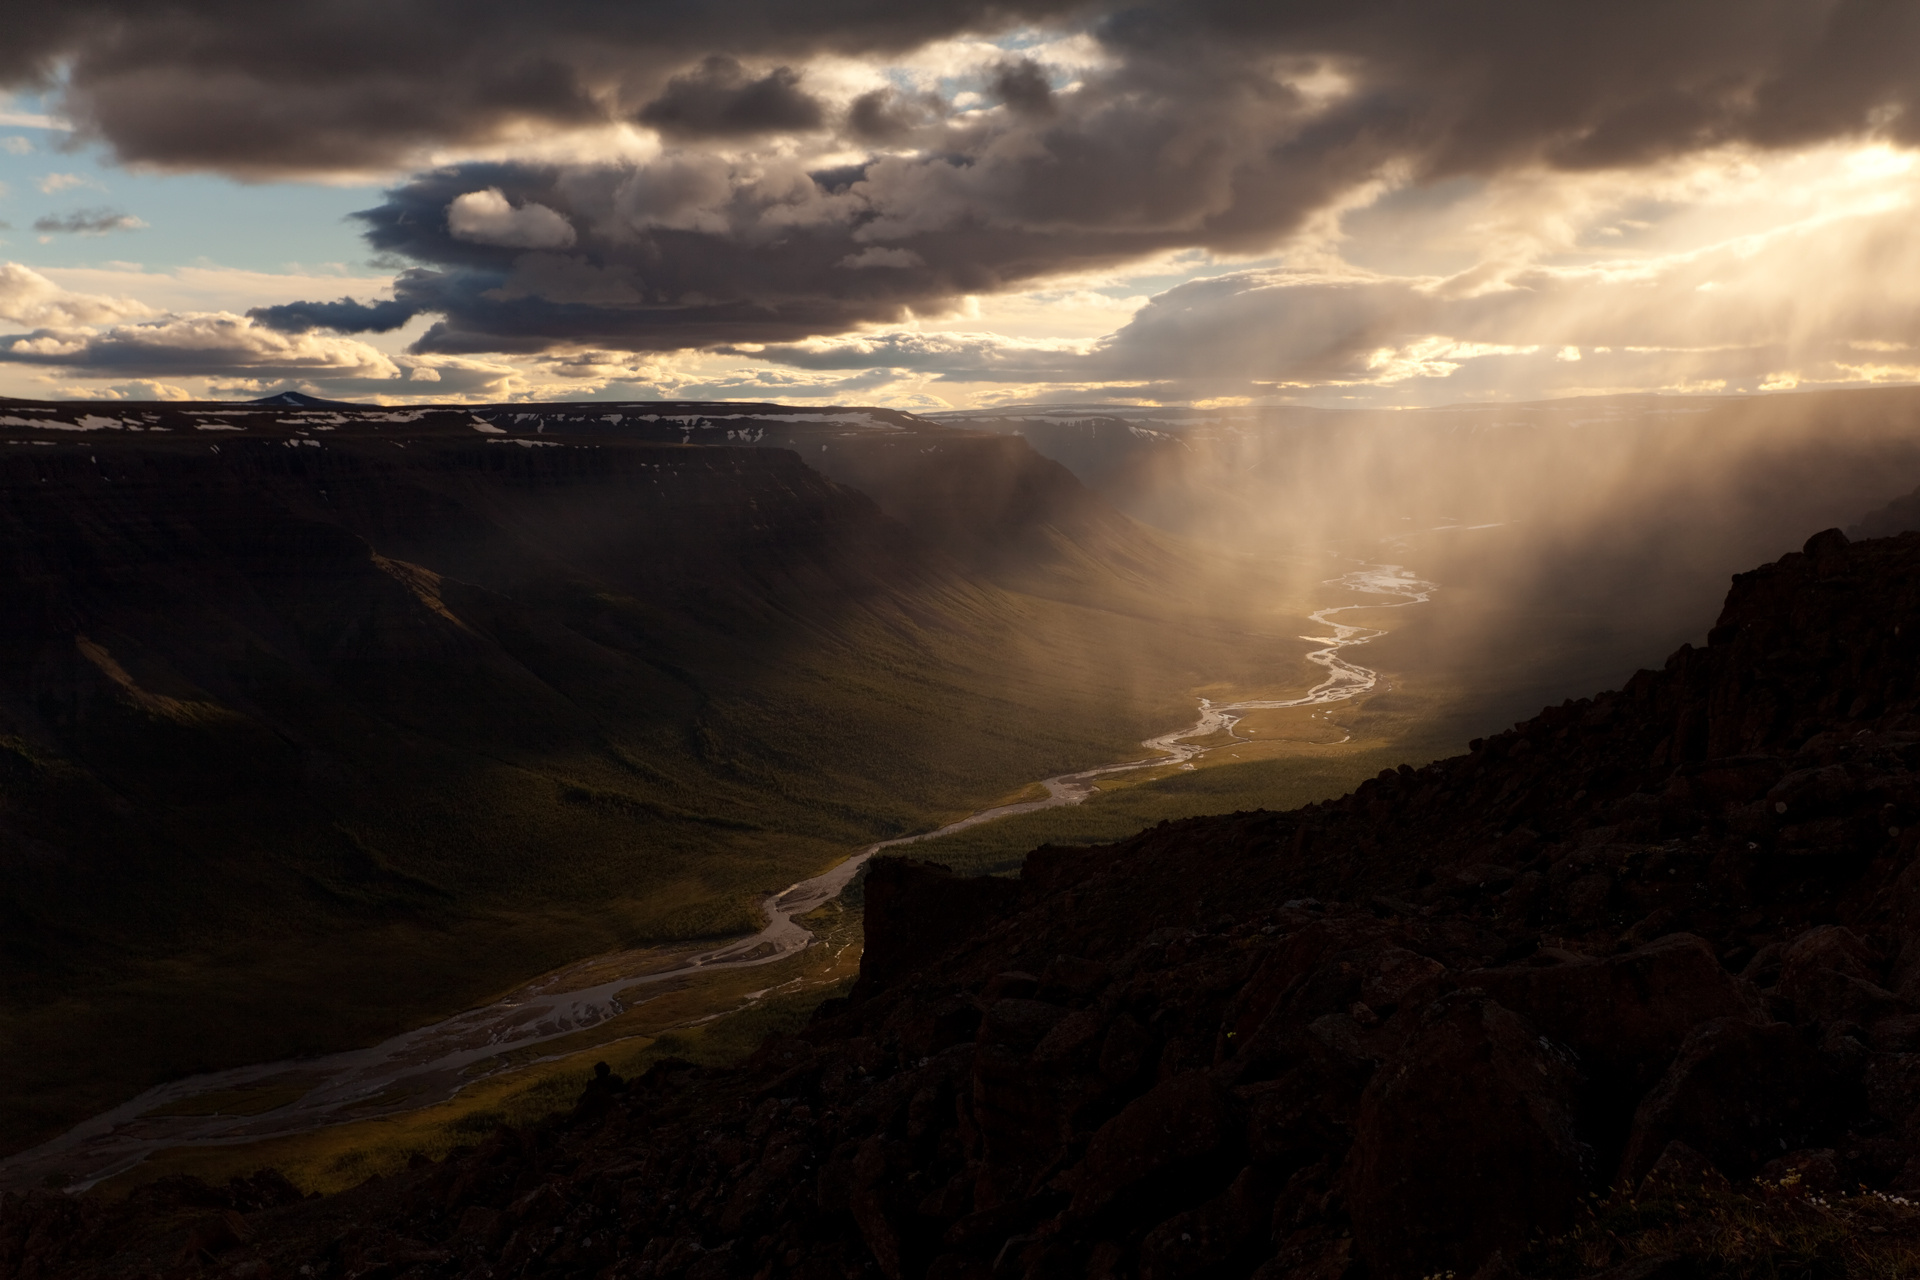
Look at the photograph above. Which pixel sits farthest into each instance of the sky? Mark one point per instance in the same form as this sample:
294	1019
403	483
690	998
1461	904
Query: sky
959	203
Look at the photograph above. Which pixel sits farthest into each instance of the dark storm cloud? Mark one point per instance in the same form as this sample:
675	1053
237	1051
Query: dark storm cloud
345	83
1217	124
1024	87
346	314
349	84
689	252
886	117
87	222
720	100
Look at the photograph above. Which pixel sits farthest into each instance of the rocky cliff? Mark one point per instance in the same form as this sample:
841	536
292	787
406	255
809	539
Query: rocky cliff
1660	946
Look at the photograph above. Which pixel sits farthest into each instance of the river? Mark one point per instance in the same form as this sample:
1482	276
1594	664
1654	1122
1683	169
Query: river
432	1063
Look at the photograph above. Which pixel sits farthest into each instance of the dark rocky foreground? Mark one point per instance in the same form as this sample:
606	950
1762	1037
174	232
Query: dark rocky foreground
1664	941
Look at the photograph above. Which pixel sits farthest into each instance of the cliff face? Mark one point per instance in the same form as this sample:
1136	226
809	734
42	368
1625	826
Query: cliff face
1657	939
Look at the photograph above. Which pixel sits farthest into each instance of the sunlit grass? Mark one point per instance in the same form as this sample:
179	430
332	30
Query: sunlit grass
1295	757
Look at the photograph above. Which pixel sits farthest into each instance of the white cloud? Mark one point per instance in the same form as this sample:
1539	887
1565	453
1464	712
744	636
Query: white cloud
1432	356
54	183
31	120
190	345
30	299
16	145
144	389
485	217
1813	271
979	353
213	288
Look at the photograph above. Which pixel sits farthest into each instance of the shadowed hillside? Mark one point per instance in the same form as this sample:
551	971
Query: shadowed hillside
313	722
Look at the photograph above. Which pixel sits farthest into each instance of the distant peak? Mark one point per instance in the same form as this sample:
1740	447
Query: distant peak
300	400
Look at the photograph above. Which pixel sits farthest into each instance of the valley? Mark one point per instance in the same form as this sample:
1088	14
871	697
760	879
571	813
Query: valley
569	691
308	699
235	1119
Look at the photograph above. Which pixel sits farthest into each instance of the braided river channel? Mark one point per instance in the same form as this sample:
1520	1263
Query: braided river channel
432	1063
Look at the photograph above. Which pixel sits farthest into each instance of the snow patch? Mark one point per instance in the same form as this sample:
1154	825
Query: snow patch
87	423
838	419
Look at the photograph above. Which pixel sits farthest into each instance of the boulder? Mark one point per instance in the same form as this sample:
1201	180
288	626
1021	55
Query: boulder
1074	1041
1829	946
1307	979
1331	956
1229	1231
916	912
1892	1086
1068	978
1125	1050
1738	1093
1904	900
1019	1024
1392	974
1018	1113
875	1200
1625	1015
1828	975
1178	1142
1464	1143
1827	996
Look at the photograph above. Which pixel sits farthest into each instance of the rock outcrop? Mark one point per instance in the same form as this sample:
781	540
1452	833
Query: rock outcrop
1666	937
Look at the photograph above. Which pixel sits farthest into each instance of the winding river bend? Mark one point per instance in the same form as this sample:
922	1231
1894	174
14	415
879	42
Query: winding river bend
432	1063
